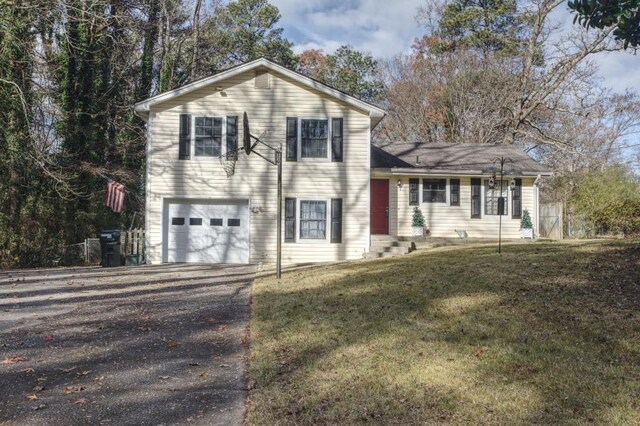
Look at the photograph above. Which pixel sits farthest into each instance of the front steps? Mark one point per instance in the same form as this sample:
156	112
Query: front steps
387	245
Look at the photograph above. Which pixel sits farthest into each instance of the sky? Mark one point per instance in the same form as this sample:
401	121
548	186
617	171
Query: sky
387	27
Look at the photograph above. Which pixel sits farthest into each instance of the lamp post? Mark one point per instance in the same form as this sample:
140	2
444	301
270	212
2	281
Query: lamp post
501	199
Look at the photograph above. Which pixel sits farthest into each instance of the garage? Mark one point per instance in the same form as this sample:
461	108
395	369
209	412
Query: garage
207	231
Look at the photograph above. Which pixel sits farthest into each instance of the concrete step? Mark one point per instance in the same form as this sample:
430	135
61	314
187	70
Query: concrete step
377	255
378	244
396	250
383	238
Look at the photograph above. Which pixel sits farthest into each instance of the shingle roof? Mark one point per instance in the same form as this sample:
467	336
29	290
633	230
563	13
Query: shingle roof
452	157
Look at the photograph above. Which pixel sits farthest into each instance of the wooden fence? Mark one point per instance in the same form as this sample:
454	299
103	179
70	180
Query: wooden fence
132	242
551	221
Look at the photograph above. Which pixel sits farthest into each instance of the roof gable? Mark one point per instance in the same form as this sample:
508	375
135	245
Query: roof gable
375	113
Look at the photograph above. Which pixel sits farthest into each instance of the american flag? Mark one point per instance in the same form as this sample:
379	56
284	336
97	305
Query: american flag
115	196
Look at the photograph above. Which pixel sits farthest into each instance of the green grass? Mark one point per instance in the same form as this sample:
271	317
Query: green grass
546	333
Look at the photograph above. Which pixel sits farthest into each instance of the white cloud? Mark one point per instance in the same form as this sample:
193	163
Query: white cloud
381	27
619	70
387	27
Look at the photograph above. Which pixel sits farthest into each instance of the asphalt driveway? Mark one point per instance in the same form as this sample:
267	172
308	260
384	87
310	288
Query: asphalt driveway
147	345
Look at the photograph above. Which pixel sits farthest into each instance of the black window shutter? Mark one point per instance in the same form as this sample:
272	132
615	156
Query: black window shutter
184	147
336	139
232	135
454	185
414	192
292	139
475	197
516	200
289	220
336	220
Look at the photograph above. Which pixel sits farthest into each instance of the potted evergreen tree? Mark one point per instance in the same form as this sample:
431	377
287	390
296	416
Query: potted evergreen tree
417	223
526	227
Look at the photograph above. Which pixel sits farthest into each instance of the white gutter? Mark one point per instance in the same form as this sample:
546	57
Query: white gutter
418	171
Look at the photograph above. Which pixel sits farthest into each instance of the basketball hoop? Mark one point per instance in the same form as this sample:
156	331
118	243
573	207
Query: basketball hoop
228	162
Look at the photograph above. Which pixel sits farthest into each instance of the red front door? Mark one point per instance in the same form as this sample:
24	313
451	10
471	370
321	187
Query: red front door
379	206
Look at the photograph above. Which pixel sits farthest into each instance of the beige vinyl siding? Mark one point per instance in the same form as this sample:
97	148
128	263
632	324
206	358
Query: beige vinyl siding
255	179
443	219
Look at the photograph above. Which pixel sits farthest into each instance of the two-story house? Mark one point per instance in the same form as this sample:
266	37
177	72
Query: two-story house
194	213
337	188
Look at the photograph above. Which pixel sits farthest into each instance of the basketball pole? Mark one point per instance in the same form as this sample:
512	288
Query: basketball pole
279	215
248	149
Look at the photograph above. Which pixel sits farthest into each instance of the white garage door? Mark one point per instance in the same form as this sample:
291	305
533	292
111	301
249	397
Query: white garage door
208	232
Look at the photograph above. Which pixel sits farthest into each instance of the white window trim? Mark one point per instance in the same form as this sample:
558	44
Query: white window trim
223	147
483	199
327	219
329	137
447	192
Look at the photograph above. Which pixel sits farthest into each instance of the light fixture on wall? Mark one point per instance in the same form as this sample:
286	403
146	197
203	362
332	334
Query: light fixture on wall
399	183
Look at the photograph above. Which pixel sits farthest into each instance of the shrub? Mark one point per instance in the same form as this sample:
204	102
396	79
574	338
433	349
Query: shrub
609	201
525	222
418	218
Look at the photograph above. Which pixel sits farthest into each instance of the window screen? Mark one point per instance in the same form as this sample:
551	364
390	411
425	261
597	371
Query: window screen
233	222
208	136
195	221
313	220
434	190
177	220
215	222
314	139
492	197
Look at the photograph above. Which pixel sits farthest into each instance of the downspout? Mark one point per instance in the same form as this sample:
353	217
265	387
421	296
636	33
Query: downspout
147	184
536	201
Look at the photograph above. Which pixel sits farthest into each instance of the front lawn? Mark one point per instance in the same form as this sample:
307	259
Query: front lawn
544	333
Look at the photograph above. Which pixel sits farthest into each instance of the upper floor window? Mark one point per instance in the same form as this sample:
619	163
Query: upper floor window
204	136
208	136
314	138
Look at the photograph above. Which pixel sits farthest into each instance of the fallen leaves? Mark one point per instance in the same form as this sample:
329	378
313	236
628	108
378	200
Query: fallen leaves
80	401
38	388
27	370
222	327
83	373
73	389
13	359
68	370
172	344
32	397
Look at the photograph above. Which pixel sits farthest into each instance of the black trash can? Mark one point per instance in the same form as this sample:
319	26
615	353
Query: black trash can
110	248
